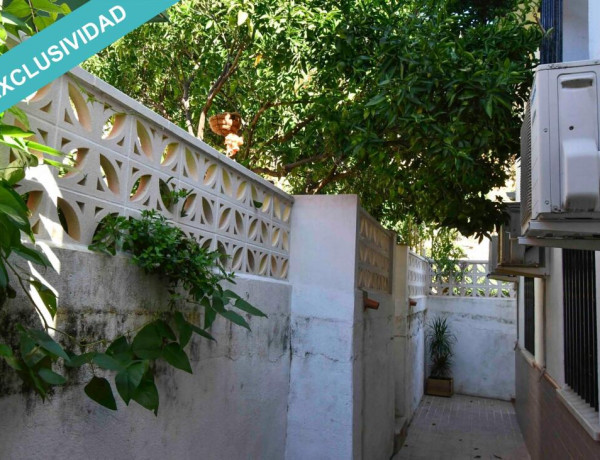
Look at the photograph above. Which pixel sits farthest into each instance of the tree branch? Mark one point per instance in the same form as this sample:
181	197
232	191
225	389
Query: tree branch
333	177
284	170
228	69
291	133
267	105
185	101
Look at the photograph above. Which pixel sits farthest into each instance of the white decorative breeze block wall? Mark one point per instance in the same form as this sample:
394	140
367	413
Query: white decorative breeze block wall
375	245
419	275
471	281
127	159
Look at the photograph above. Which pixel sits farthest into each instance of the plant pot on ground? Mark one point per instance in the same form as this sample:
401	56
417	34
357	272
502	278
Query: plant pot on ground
439	345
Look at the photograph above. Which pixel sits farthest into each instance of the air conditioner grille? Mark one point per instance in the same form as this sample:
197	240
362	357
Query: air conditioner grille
526	168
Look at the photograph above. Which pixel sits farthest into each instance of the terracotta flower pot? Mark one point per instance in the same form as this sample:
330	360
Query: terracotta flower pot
225	123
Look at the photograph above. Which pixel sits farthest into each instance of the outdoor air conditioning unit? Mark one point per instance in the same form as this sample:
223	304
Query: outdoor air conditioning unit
508	258
560	158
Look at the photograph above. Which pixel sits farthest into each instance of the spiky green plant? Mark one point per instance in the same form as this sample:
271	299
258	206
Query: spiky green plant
439	343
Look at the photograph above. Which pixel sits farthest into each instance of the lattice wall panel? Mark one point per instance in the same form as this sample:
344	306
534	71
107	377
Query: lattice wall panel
375	245
125	160
419	276
469	279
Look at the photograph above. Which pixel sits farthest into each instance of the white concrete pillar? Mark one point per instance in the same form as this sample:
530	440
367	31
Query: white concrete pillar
325	398
400	296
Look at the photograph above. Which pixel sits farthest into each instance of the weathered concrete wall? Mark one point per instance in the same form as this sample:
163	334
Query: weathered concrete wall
415	355
378	380
233	406
341	401
409	345
485	329
326	330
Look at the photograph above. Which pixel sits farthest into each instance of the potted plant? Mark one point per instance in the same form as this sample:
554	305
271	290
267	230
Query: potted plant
439	344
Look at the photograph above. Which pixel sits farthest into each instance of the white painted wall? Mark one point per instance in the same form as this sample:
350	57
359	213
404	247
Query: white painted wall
485	328
575	30
415	355
594	29
378	380
341	399
323	408
409	352
233	406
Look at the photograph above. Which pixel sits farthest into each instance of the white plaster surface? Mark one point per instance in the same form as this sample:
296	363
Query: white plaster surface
575	30
324	402
485	329
415	355
341	400
232	407
378	383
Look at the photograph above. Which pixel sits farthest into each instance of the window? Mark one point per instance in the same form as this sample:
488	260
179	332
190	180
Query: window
581	353
530	315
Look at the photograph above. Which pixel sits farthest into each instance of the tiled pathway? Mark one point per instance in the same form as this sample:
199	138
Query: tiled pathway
464	427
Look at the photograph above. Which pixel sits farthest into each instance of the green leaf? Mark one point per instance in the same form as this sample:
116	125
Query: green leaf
245	306
3	276
209	317
47	343
79	360
202	333
17	7
176	357
17	112
47	295
14	172
13	206
19	218
51	377
31	255
45	149
146	394
107	362
120	349
47	6
242	17
5	351
165	330
99	390
375	100
234	318
489	107
11	360
148	342
31	353
184	328
128	380
14	131
119	345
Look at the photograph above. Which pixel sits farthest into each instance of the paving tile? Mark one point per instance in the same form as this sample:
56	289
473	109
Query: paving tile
463	427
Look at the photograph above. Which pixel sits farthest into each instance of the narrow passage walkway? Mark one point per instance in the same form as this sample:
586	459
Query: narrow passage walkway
464	427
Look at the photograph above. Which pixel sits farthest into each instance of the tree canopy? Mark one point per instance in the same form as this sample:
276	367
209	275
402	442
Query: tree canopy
414	105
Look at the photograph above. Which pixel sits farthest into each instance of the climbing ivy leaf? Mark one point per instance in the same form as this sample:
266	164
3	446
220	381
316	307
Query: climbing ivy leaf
146	394
176	357
100	391
128	380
